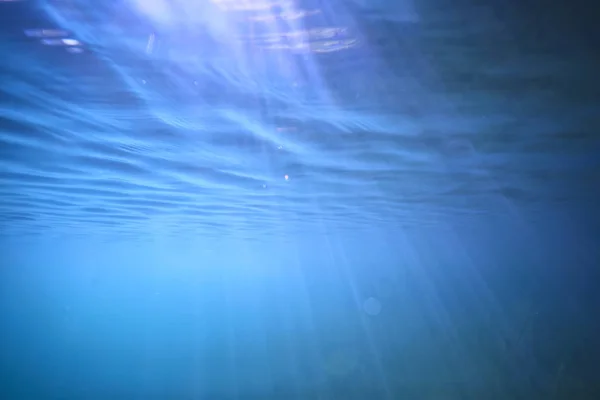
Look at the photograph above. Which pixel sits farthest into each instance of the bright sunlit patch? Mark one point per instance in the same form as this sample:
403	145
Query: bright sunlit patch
187	20
60	42
251	5
158	10
71	42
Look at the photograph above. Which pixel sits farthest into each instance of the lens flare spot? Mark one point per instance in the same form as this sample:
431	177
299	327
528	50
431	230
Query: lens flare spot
372	306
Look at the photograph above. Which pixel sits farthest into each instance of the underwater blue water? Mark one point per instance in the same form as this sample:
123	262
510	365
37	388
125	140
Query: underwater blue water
297	200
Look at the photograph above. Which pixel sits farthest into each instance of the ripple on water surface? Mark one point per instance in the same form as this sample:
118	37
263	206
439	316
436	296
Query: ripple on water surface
246	120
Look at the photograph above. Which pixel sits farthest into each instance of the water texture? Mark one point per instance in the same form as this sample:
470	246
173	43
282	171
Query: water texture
297	199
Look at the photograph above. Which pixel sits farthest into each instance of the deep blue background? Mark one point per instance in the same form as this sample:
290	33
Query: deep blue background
204	218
